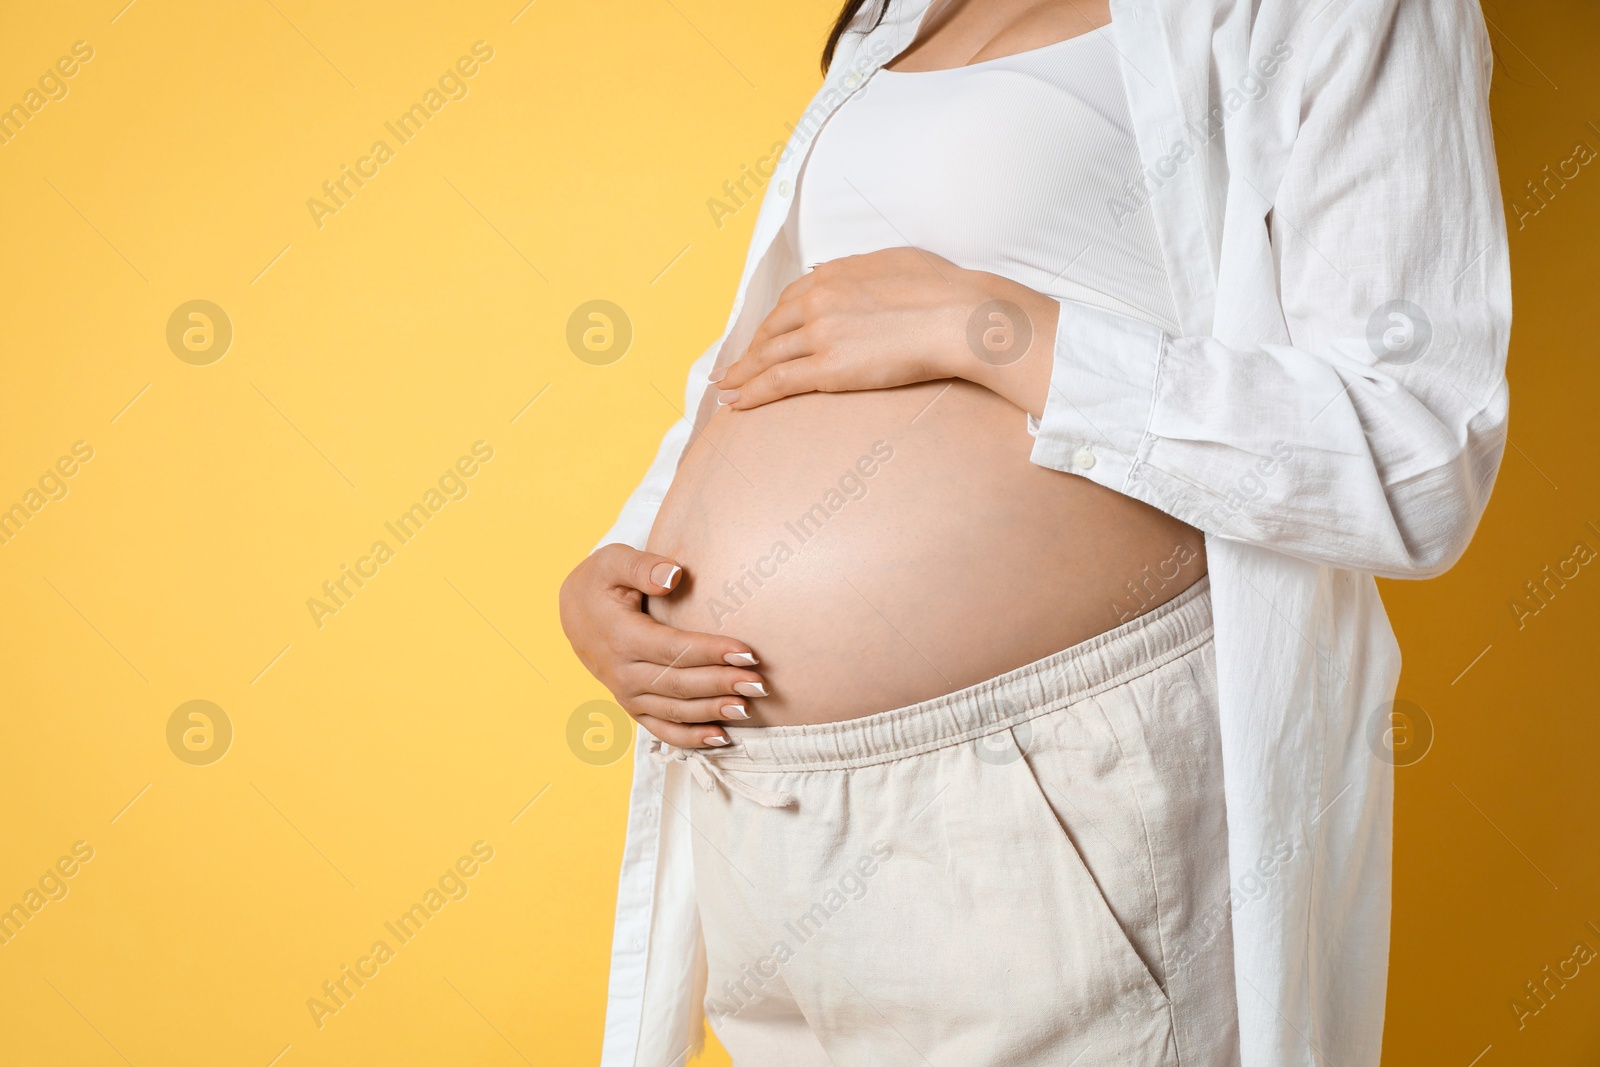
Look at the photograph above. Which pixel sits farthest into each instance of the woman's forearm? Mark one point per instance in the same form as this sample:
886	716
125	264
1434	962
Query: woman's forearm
1014	317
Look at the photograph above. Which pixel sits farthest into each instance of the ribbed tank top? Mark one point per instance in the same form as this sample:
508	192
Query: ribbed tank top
1019	165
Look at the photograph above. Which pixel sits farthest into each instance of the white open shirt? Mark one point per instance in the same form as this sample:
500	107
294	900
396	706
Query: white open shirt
1305	171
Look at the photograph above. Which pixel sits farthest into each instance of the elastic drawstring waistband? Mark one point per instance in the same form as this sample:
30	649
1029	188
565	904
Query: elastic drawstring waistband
707	773
1074	674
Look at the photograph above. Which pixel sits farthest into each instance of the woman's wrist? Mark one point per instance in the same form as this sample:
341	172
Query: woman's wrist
1008	345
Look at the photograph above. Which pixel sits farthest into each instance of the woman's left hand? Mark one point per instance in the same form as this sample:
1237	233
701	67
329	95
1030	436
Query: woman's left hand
885	319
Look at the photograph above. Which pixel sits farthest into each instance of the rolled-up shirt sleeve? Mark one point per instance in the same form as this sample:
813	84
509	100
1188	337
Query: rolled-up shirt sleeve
1102	394
1369	439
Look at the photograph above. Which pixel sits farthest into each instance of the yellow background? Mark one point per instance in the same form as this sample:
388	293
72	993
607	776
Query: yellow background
432	710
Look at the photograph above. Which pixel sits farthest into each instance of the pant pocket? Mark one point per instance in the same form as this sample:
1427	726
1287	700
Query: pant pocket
1083	895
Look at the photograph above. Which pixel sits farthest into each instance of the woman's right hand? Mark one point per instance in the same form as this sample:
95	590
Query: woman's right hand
673	682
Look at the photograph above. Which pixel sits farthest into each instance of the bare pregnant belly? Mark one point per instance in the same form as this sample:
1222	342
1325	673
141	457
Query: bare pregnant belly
884	547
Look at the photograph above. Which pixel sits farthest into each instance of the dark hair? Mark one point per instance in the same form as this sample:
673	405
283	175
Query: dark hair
842	23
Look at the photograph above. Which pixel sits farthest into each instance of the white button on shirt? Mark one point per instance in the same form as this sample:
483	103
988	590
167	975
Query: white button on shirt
1083	459
1310	456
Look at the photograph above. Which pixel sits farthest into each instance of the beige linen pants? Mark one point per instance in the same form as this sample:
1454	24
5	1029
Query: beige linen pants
1029	871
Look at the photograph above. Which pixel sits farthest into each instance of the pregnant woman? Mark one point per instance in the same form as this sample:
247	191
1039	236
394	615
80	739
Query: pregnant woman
1052	307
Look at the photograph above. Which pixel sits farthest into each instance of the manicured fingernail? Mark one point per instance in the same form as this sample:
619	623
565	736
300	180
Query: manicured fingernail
663	573
735	711
727	396
750	689
717	740
740	659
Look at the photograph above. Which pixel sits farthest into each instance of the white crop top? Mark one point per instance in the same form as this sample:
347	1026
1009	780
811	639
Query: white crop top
1019	165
